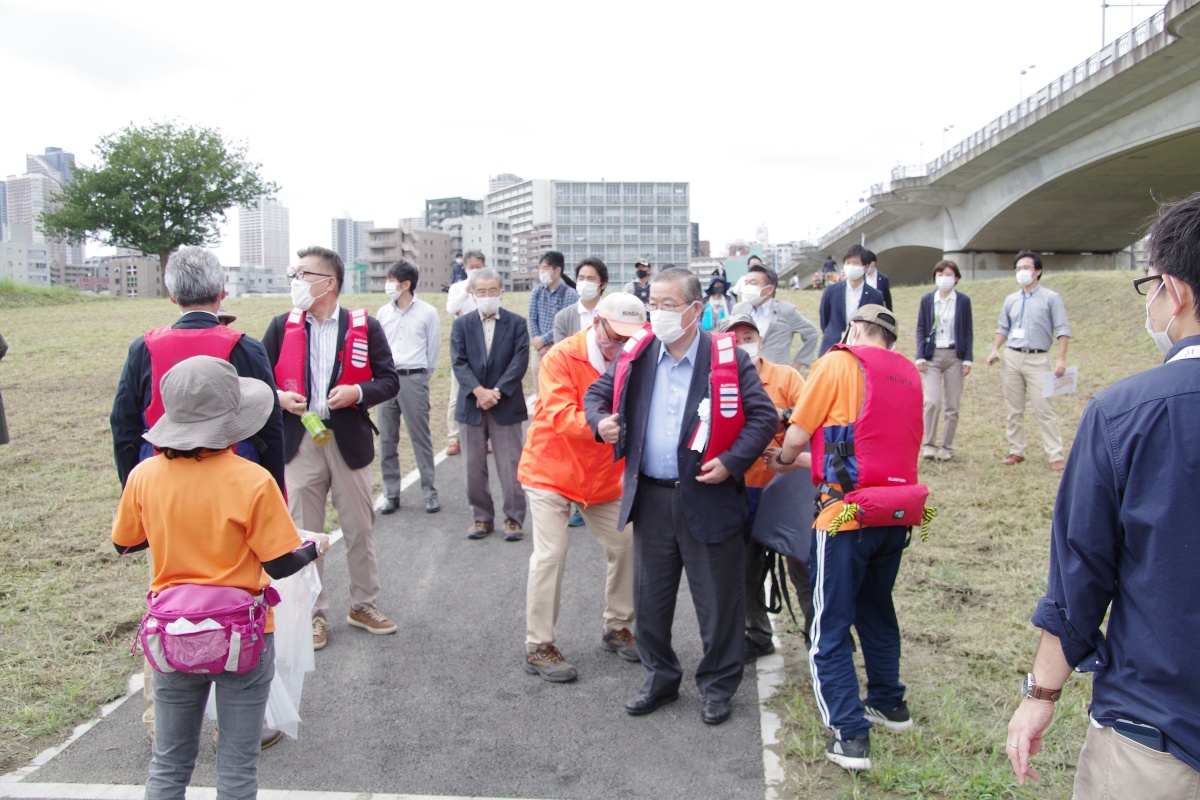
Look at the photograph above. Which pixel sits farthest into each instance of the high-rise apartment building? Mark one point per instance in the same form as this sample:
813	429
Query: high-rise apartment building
59	165
28	196
429	251
622	222
525	205
3	211
349	237
491	236
444	208
264	235
502	181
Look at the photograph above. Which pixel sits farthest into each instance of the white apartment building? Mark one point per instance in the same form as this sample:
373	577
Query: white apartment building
264	236
492	236
28	196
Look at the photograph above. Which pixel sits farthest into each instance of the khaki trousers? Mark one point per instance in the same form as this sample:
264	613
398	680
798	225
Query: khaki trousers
943	384
1112	767
1021	375
312	474
549	512
451	422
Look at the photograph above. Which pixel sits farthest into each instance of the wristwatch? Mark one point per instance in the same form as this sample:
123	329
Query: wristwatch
1031	689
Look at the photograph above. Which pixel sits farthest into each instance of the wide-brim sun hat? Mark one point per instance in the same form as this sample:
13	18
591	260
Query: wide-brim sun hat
207	405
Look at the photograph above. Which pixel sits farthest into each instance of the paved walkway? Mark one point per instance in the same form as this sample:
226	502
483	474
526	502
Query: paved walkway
445	709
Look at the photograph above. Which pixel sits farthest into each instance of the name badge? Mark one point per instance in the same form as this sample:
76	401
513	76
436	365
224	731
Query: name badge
1017	333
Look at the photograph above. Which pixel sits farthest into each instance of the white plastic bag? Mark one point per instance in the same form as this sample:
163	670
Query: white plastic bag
293	650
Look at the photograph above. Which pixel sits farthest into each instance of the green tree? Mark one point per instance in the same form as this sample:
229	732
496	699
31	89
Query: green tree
157	188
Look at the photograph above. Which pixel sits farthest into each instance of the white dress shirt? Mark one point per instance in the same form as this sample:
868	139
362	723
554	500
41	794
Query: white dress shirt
853	298
489	330
322	353
586	316
458	300
943	316
414	334
762	316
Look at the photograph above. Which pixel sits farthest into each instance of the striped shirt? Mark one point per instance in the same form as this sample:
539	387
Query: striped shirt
322	354
1039	317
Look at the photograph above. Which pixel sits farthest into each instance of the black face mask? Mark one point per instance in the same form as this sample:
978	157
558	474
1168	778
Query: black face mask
641	273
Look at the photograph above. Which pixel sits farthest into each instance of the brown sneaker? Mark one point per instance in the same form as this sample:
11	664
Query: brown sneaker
320	633
478	530
512	531
621	642
453	448
371	620
550	664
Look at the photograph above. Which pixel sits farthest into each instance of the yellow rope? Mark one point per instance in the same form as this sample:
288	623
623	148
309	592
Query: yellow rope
850	512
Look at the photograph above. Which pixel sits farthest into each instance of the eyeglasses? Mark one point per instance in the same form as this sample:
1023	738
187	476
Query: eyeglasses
612	335
1139	284
311	277
672	307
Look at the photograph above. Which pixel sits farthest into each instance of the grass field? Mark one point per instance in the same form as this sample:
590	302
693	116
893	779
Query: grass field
69	606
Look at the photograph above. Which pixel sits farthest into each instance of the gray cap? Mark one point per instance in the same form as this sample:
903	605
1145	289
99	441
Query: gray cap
873	312
729	323
208	405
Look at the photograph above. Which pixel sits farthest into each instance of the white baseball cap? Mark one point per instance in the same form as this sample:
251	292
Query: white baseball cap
624	312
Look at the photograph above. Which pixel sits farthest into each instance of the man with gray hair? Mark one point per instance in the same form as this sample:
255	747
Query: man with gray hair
196	283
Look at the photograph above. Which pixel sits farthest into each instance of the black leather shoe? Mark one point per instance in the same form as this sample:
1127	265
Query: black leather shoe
390	506
647	703
715	712
432	506
755	651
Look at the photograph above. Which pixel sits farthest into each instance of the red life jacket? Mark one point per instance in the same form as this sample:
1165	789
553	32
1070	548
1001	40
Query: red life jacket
726	418
882	446
168	346
354	359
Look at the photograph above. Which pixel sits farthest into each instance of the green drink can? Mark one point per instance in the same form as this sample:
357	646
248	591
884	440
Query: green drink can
312	423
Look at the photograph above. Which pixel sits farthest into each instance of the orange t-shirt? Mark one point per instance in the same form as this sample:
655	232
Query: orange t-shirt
211	522
784	386
833	395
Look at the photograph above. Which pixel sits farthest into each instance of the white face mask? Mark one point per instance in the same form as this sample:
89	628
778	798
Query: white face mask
755	295
487	305
1161	338
667	325
1024	277
945	282
545	276
751	349
588	290
392	290
854	272
302	296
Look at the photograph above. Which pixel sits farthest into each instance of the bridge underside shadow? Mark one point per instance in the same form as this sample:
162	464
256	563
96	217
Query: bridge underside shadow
1101	207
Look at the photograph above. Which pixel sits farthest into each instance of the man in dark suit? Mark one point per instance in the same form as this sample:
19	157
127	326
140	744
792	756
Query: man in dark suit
687	512
840	300
335	363
876	279
489	351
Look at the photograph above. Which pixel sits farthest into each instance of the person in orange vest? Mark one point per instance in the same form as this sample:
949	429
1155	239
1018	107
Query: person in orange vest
562	463
783	385
336	363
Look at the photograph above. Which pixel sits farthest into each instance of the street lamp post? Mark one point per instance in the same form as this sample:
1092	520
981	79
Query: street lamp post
945	130
1104	16
1021	83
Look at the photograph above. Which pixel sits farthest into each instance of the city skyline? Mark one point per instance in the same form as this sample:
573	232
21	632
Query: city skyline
799	110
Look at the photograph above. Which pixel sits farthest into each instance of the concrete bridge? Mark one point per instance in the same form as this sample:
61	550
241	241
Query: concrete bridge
1076	169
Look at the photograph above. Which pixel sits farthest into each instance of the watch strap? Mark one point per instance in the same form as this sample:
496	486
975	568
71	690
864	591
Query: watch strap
1031	689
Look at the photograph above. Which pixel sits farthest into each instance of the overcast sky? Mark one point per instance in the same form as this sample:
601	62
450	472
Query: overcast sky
777	112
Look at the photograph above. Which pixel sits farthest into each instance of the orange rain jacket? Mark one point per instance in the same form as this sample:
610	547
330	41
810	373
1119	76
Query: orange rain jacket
561	454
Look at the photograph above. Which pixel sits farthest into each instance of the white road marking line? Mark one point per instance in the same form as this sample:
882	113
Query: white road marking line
99	791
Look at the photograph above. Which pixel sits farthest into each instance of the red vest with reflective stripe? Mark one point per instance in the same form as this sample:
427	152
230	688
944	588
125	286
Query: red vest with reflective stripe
726	418
886	437
354	360
168	346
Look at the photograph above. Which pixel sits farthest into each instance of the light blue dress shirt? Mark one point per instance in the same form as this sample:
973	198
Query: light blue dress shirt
672	381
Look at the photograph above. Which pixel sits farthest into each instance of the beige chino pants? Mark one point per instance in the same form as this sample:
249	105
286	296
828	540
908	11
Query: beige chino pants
943	384
310	476
1111	767
550	512
1022	375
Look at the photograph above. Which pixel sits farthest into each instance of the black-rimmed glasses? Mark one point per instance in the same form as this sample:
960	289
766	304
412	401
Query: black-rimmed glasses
1139	284
311	277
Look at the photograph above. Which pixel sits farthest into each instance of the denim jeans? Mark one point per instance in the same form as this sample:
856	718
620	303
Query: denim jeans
179	700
